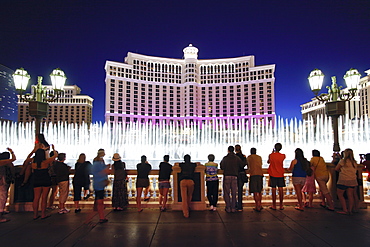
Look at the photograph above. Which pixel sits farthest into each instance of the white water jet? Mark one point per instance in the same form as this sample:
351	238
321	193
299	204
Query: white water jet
154	141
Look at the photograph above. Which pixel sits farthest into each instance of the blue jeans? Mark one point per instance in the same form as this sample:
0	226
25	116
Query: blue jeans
230	185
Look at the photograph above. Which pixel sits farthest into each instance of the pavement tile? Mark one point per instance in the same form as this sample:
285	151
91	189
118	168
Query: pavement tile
289	227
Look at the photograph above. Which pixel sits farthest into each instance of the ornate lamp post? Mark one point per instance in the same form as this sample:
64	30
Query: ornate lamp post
335	98
38	101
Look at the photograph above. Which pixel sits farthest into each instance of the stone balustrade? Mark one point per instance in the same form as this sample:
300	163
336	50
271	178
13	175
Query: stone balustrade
289	192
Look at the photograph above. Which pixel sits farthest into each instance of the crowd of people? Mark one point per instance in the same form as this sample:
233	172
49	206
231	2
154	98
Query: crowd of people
47	171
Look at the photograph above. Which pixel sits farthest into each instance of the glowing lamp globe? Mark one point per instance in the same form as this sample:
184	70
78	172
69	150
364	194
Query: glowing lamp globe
58	79
316	79
21	78
352	78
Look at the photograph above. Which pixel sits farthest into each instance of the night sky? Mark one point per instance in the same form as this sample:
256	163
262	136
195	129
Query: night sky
79	36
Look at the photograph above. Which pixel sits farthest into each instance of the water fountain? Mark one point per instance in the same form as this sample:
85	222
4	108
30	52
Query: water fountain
137	139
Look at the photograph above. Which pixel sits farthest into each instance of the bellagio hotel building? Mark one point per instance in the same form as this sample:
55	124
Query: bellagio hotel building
165	90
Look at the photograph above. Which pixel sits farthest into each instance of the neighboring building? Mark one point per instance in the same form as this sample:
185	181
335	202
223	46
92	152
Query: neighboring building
72	107
146	88
355	108
8	95
364	93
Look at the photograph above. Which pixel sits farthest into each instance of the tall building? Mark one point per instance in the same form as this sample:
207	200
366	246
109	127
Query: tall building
8	95
364	93
355	108
156	89
72	107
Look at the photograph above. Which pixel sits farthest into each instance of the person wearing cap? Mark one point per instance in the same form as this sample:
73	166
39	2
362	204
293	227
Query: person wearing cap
100	173
120	197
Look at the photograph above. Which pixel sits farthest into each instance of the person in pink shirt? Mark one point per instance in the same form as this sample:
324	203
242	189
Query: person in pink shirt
276	172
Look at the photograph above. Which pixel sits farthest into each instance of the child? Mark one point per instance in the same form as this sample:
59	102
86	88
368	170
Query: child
212	182
310	188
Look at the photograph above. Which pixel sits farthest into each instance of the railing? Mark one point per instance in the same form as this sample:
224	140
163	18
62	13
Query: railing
289	191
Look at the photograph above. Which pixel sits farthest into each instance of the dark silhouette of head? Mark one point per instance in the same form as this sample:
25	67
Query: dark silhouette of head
4	156
230	149
61	156
238	148
187	158
367	156
211	157
166	158
278	147
143	159
253	150
315	153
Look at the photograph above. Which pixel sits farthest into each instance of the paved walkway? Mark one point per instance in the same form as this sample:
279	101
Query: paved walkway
289	227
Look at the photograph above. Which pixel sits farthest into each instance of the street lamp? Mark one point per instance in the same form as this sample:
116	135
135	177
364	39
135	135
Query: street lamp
38	101
335	98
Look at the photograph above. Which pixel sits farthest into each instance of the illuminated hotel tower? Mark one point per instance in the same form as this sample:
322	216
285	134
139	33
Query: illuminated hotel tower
156	89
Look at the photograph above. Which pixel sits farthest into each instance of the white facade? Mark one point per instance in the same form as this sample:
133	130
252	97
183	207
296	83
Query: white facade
355	108
146	88
72	107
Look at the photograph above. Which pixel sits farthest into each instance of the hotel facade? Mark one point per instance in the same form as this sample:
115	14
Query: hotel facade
165	90
71	107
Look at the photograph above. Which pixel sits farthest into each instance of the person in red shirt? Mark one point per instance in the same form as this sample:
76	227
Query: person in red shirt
276	172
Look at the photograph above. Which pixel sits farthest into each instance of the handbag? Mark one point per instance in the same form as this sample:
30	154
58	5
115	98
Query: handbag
243	177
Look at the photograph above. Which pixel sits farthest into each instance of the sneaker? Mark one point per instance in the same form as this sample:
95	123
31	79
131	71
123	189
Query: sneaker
87	197
77	210
64	211
214	209
211	208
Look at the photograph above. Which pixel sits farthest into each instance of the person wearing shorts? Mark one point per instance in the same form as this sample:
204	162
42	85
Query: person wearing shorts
100	173
165	170
276	172
300	168
62	177
142	181
256	178
347	181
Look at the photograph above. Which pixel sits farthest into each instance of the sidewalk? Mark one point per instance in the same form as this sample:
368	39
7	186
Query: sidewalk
288	227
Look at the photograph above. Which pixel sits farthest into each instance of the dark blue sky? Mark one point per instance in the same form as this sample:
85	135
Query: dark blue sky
79	36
